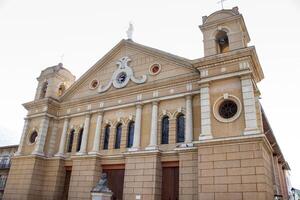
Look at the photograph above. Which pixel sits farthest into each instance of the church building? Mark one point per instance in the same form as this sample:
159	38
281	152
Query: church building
162	127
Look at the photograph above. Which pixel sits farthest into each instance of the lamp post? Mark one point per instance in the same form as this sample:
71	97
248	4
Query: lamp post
293	192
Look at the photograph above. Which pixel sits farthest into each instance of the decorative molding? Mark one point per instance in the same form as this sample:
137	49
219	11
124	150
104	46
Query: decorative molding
122	75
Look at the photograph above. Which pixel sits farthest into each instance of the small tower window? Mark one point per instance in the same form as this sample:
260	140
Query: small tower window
61	89
33	137
222	42
44	90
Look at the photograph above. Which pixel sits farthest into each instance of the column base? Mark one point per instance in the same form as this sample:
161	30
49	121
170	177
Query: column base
155	147
185	145
38	153
93	153
59	155
80	153
251	131
133	149
205	137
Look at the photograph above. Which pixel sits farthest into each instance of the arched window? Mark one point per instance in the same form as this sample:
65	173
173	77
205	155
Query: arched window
44	90
130	134
61	89
118	136
165	130
106	137
180	123
70	143
222	42
33	137
79	139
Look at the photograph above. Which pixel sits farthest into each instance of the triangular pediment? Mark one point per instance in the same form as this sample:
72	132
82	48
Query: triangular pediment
141	59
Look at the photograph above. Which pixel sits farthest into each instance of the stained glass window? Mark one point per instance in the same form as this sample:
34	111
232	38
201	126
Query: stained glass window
118	136
130	134
180	122
165	130
71	138
79	140
106	137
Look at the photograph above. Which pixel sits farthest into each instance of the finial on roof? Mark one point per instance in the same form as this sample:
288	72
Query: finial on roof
129	32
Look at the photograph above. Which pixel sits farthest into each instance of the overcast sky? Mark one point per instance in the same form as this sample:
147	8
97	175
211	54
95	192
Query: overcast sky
34	34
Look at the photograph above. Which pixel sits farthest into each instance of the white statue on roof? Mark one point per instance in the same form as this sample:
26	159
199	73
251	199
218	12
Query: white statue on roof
129	32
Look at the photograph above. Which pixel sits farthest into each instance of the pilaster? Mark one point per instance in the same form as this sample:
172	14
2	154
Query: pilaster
137	128
249	106
205	112
39	146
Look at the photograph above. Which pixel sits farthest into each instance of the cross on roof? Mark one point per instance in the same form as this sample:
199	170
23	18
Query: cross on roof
221	2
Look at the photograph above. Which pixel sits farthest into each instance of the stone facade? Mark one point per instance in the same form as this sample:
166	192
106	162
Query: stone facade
149	111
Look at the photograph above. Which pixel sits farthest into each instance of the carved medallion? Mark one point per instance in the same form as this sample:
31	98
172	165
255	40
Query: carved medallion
122	76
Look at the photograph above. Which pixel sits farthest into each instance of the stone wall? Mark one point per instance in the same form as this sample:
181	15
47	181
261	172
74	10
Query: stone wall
85	174
142	176
234	170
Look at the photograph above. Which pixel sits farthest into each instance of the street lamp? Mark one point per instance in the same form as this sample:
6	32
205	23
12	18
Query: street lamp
293	192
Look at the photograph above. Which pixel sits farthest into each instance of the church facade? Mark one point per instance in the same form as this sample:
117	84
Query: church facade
159	125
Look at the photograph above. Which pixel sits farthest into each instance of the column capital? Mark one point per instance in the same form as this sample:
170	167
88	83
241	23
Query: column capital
247	76
206	84
155	102
139	105
188	96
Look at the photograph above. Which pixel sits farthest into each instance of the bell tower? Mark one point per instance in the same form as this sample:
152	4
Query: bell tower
53	81
224	31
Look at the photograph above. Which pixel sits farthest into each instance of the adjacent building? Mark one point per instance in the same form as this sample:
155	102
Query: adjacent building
161	126
6	152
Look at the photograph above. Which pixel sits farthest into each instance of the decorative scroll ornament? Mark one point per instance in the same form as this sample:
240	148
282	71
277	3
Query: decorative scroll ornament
122	75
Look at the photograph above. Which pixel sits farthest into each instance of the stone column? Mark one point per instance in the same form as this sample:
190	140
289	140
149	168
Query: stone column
137	128
42	134
96	144
83	146
25	129
205	112
249	106
189	120
153	133
61	150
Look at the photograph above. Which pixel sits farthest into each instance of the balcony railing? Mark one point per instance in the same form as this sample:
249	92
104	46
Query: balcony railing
4	165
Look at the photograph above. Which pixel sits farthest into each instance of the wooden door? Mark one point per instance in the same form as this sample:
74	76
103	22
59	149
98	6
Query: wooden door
67	184
170	183
115	182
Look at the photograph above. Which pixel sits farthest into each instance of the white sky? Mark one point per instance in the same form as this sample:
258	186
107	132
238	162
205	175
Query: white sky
34	34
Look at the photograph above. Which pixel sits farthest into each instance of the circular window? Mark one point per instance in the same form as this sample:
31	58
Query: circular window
154	69
33	137
227	108
121	78
94	84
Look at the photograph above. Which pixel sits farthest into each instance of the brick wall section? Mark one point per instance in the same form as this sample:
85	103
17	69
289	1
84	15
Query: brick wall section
25	180
234	171
188	183
54	179
142	176
85	174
